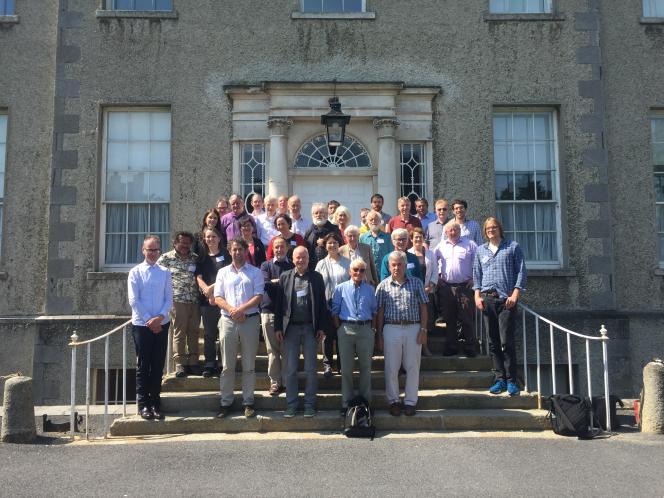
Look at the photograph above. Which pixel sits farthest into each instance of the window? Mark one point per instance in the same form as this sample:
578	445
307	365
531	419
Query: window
3	155
520	6
321	6
316	154
527	193
6	7
253	172
653	8
137	185
157	5
657	141
413	172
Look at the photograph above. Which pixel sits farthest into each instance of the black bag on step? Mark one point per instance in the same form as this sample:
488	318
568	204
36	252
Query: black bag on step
599	410
358	421
570	416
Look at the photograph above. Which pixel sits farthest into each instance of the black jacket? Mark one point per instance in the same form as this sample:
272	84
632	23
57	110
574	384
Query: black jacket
271	270
319	311
316	252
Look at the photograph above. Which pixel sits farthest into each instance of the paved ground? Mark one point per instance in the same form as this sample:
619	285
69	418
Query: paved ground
466	464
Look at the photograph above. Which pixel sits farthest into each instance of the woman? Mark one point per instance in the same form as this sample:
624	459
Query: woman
256	253
430	270
210	220
213	258
283	223
341	218
335	269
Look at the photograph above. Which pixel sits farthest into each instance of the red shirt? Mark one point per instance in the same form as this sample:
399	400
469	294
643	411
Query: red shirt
397	222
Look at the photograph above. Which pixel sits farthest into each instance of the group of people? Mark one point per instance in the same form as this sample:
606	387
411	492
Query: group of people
383	282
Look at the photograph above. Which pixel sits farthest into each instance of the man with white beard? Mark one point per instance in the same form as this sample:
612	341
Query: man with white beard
319	228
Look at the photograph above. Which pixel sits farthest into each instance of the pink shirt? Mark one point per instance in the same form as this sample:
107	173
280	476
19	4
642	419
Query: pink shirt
455	261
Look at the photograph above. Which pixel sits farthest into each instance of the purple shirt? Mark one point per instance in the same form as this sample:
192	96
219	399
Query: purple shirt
455	261
230	224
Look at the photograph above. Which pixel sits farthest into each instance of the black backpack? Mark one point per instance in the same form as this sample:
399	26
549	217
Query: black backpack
570	416
358	421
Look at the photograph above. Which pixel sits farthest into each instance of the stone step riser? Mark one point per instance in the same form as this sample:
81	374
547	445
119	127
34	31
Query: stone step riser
455	420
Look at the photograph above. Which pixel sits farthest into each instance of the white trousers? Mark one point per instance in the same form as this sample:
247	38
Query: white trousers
401	347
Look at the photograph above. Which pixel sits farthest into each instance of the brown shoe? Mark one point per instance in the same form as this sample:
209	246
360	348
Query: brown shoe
249	411
409	410
395	409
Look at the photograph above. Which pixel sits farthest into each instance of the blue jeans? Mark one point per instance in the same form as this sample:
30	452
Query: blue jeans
304	335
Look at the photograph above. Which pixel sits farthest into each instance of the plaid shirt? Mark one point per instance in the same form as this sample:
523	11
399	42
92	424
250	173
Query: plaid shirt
185	288
401	302
503	271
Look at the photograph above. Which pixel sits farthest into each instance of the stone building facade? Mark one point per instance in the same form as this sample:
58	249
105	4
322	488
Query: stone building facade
548	113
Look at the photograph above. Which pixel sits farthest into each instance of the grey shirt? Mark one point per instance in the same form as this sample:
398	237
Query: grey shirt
301	307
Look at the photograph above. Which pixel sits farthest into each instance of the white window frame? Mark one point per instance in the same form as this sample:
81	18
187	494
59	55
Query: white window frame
427	172
364	8
507	7
554	120
658	116
3	161
111	5
7	7
102	216
242	183
653	8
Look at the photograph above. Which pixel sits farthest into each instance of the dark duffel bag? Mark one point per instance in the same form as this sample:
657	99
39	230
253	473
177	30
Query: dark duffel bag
570	416
599	410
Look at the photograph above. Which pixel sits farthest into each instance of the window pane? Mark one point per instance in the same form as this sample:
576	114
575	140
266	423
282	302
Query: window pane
116	189
521	127
502	129
164	5
161	125
139	125
2	187
312	5
116	218
139	156
115	249
123	4
658	153
160	220
660	218
661	246
525	217
502	156
505	216
352	5
653	8
144	5
527	242
504	187
523	156
160	187
547	247
546	217
137	187
544	186
542	127
659	188
3	128
116	157
160	156
333	6
542	156
524	186
138	219
135	244
118	126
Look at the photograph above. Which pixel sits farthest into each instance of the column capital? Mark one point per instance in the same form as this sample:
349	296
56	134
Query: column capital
385	126
279	124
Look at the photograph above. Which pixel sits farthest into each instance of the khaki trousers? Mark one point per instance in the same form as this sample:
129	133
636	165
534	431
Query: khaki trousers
185	323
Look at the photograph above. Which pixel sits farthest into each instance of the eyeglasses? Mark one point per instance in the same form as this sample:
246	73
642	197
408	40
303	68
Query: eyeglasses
152	250
359	270
491	228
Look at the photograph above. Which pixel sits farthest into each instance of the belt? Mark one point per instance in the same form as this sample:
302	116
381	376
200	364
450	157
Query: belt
402	322
491	293
249	315
455	284
301	323
357	322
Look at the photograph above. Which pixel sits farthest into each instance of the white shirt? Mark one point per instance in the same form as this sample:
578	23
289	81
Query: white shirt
301	225
150	292
239	286
267	230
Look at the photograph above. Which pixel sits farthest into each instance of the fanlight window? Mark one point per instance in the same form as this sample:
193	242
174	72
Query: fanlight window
315	154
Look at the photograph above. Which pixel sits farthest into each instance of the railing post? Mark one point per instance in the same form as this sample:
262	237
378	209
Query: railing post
87	391
72	413
605	359
107	343
569	364
124	371
525	349
539	368
590	384
553	360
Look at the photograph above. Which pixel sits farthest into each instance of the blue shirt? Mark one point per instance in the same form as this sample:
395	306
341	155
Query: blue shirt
150	292
413	268
503	271
380	245
401	301
471	229
428	218
352	302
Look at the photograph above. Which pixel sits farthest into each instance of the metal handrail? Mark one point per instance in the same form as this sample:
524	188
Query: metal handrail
76	344
483	338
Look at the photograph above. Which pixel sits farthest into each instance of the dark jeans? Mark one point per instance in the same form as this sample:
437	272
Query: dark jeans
329	342
458	305
499	321
210	315
150	359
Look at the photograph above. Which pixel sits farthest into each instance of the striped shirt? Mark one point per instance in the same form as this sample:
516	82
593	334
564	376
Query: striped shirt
503	271
401	301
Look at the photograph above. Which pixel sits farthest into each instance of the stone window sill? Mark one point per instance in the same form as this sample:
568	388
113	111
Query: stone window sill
523	17
659	272
3	275
8	19
136	14
107	275
559	272
651	20
333	15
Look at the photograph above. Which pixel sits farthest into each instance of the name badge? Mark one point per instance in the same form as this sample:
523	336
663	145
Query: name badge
293	243
219	259
302	293
485	259
192	268
410	266
380	241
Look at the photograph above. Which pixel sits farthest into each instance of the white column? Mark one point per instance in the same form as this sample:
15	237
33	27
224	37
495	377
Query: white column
389	180
277	169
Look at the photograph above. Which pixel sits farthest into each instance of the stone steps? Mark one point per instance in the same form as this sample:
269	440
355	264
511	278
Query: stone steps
429	399
330	421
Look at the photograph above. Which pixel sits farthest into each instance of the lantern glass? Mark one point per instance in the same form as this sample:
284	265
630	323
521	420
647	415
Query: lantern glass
335	133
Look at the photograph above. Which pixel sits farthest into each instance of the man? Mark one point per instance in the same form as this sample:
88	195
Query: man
435	230
422	212
301	316
400	241
353	315
401	324
271	271
455	256
377	205
314	236
222	206
499	276
230	222
354	250
331	208
150	293
404	219
257	205
363	217
469	228
238	291
282	204
265	221
185	314
300	223
379	241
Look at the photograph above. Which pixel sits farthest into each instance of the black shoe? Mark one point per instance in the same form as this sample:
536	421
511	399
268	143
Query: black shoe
327	372
146	413
180	372
156	413
224	411
208	372
449	352
471	353
194	370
